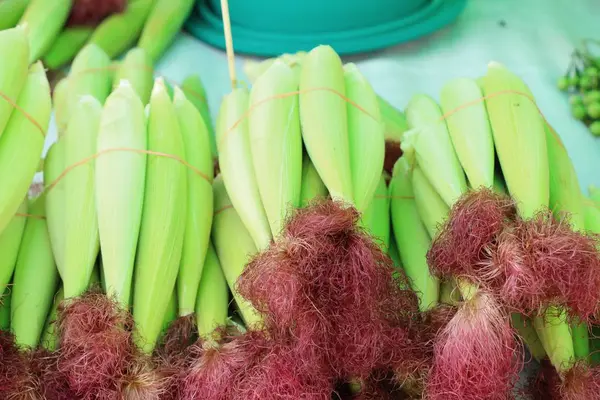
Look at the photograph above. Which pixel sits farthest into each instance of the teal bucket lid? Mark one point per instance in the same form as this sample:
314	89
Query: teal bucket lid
425	17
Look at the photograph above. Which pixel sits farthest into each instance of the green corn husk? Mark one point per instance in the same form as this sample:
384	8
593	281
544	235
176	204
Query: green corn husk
432	209
412	239
120	183
594	193
526	330
554	332
44	19
194	91
449	293
213	296
376	218
312	186
136	68
50	338
22	142
254	69
199	201
431	143
35	280
5	301
365	137
119	32
90	74
234	247
164	22
394	120
66	46
81	222
591	212
469	130
14	53
163	220
237	170
170	313
54	166
393	252
59	101
10	241
276	143
11	12
323	114
520	140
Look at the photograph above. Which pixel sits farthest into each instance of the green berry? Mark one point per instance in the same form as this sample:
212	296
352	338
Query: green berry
579	111
575	99
573	80
563	83
585	82
591	96
593	110
595	128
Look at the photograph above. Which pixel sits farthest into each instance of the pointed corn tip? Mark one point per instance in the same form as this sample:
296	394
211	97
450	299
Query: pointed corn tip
124	83
87	99
159	85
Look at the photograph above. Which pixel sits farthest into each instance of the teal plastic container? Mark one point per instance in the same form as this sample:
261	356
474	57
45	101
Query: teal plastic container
272	27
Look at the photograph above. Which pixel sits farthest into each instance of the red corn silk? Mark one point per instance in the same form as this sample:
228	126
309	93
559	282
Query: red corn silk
142	381
13	366
581	382
545	384
476	356
92	12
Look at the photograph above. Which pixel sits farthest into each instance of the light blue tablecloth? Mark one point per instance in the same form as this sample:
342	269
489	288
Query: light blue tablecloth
535	43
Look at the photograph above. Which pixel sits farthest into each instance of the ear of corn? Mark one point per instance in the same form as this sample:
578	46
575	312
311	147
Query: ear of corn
430	140
163	220
120	182
213	296
365	136
376	218
35	280
469	130
324	118
253	69
171	312
90	74
234	247
411	236
312	187
59	101
22	142
66	46
276	143
526	330
163	24
394	120
235	163
520	140
137	69
11	12
14	53
194	91
119	32
49	339
54	165
10	241
591	210
81	222
44	20
199	201
5	300
432	209
553	331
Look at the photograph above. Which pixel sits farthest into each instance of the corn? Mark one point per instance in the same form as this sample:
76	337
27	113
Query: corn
170	313
276	143
430	140
235	163
520	140
10	241
432	209
22	143
376	218
14	53
49	339
163	220
119	32
35	280
54	165
199	201
44	20
234	247
81	222
163	24
365	137
120	182
469	130
213	296
194	90
90	74
66	46
253	69
411	236
5	309
553	331
526	330
592	215
137	69
11	12
324	119
59	101
312	186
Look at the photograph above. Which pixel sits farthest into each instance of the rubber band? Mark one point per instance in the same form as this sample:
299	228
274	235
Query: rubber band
40	217
220	210
25	113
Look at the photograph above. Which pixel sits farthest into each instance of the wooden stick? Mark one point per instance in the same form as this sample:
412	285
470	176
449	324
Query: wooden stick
228	42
